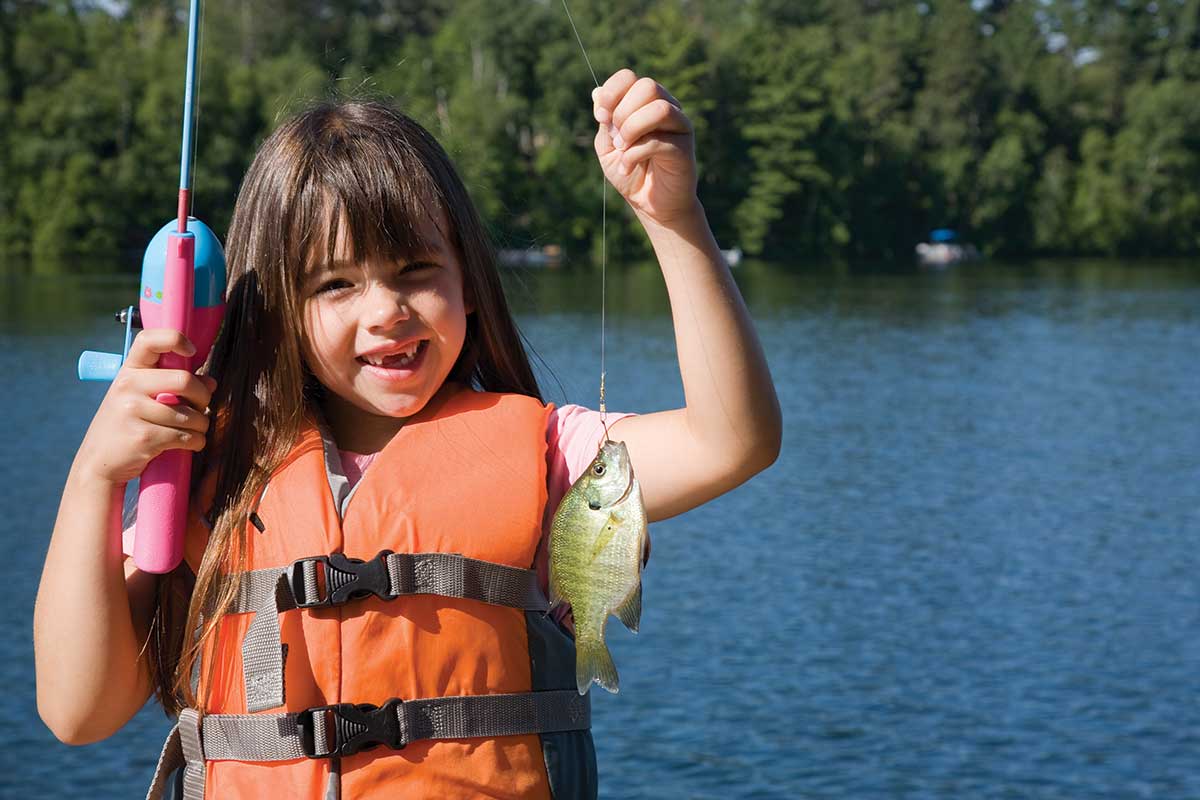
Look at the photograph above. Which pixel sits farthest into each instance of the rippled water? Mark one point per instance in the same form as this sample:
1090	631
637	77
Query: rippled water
971	573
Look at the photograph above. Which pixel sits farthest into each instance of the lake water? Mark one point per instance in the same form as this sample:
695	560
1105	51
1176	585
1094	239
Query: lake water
972	573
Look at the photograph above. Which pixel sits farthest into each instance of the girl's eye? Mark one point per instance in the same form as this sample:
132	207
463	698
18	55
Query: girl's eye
334	285
598	469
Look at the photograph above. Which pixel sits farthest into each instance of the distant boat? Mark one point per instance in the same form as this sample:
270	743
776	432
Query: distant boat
732	257
943	249
547	256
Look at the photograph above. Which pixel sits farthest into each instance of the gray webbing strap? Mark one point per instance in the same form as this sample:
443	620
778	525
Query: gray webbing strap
443	574
262	651
193	754
268	592
454	575
333	783
169	760
494	715
251	737
195	677
182	749
276	737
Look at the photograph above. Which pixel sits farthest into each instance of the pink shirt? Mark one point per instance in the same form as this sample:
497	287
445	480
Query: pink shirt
573	436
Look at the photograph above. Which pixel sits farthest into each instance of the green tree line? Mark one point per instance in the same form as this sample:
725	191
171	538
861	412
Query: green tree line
825	127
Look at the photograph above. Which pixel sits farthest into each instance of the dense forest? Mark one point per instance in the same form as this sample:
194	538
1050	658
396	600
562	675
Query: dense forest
824	128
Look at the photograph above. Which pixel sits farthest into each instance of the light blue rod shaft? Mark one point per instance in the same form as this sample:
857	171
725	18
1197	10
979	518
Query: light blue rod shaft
189	99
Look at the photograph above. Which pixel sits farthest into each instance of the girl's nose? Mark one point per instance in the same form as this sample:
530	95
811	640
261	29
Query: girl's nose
385	308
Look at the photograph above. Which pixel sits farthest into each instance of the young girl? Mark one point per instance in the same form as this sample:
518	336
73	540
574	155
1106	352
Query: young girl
361	609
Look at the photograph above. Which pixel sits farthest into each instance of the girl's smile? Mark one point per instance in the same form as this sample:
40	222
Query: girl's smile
382	336
395	363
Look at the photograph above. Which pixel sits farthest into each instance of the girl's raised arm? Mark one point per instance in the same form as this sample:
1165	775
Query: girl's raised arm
730	427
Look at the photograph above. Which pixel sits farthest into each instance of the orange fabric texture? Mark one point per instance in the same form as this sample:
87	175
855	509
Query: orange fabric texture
466	475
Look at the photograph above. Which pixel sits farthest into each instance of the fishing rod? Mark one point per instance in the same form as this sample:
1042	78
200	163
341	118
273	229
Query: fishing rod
182	288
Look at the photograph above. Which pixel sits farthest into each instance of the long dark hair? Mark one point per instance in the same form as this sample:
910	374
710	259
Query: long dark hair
376	171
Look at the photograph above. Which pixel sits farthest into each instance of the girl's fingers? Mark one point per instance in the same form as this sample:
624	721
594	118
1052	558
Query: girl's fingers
654	146
194	389
608	95
659	116
624	86
604	142
603	114
181	417
153	440
153	342
641	93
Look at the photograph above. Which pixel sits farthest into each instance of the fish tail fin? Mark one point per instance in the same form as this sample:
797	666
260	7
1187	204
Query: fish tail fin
593	662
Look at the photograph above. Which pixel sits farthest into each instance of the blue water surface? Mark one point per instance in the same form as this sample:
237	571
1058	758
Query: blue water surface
972	572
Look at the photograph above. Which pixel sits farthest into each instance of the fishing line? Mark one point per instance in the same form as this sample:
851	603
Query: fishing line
580	40
603	231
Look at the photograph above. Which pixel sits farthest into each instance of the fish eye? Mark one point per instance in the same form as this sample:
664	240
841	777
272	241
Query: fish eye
598	469
593	505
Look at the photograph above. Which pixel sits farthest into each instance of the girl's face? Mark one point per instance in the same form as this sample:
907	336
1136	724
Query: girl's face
383	337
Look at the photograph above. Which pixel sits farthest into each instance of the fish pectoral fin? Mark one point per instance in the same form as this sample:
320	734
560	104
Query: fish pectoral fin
605	536
630	610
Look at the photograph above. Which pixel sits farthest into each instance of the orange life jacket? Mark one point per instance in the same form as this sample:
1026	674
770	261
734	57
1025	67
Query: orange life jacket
466	475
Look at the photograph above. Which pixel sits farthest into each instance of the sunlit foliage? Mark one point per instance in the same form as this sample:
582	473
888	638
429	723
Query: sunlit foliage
847	127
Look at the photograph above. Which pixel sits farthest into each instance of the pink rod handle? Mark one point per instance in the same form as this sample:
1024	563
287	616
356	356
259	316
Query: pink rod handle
162	512
163	495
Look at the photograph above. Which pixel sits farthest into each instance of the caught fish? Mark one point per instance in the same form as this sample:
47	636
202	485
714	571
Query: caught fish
596	543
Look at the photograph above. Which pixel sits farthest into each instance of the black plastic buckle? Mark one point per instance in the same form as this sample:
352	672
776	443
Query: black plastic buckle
349	728
341	579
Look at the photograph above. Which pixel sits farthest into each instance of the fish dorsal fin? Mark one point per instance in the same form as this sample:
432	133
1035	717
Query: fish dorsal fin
630	610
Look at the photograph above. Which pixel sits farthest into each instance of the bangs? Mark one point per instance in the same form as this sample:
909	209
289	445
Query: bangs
362	197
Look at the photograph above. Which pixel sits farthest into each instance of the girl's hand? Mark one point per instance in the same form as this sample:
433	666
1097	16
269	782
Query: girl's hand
646	147
131	427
